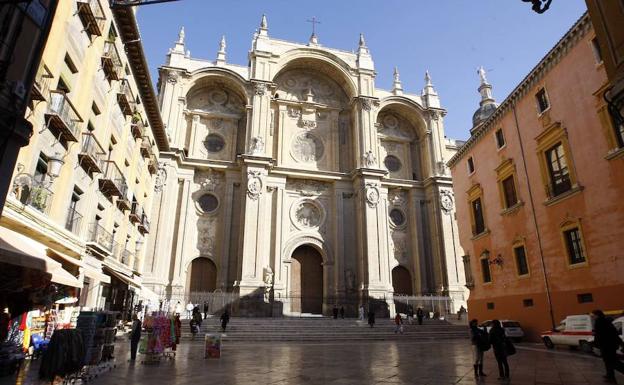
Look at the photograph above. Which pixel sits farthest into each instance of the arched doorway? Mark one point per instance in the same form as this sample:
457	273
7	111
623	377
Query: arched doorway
203	275
401	281
307	281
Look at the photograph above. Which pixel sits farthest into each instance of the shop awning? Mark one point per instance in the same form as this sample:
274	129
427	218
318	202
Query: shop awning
65	257
95	273
19	250
122	277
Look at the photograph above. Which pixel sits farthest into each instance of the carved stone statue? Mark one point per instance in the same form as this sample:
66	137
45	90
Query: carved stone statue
268	276
369	159
257	146
350	279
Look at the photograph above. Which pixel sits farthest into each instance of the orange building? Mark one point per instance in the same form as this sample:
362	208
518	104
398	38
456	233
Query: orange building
540	193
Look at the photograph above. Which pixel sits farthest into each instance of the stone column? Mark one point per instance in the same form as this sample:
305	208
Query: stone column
182	247
415	233
259	129
228	201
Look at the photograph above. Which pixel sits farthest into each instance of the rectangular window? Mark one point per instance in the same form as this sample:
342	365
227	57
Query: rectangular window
509	190
619	130
485	268
500	138
528	302
521	260
477	213
471	167
41	170
574	246
490	305
542	100
597	50
70	64
558	171
585	298
73	216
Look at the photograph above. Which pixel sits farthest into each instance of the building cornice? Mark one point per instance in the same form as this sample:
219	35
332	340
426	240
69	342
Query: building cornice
129	32
552	58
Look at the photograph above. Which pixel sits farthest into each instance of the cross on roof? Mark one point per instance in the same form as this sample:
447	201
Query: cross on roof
314	22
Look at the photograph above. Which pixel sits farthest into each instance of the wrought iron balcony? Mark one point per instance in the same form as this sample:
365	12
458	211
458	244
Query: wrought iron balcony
41	85
152	164
92	16
136	213
125	98
144	225
62	118
146	147
32	192
123	202
112	182
137	128
111	64
74	220
91	156
100	239
126	257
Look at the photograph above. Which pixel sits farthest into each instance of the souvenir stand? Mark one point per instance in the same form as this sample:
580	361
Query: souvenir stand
160	342
98	332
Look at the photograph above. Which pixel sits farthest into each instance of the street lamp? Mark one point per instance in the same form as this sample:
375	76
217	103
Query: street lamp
55	163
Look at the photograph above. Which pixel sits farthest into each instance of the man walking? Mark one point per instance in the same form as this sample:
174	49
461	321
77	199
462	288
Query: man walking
135	337
189	310
607	340
398	321
420	314
342	312
225	318
371	318
205	310
335	312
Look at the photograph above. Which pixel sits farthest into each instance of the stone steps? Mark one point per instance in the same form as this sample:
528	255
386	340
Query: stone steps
324	329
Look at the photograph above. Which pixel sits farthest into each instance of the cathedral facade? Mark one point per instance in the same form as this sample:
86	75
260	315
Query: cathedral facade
294	180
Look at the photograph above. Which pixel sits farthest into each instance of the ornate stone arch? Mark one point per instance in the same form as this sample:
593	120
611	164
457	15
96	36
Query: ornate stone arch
189	261
310	240
227	77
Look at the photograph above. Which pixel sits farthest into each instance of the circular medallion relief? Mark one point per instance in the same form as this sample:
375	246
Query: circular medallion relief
307	148
392	163
218	97
308	215
397	217
214	143
208	203
390	121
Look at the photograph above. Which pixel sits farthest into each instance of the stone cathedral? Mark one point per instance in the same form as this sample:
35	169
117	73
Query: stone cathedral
295	181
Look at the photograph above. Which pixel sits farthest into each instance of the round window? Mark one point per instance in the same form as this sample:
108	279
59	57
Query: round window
214	143
392	163
397	217
208	203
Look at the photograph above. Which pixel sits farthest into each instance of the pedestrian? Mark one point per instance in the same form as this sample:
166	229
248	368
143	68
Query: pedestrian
460	312
398	321
205	310
225	318
342	312
480	343
178	308
371	318
420	314
135	337
410	314
606	338
335	312
499	343
361	313
189	310
197	316
177	327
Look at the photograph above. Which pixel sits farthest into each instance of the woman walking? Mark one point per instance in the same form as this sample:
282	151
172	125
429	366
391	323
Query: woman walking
480	343
498	339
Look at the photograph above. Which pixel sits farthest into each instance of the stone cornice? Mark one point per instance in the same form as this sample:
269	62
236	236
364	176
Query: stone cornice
552	58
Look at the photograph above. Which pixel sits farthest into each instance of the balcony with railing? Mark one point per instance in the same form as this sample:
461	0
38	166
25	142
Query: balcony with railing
125	98
137	127
31	192
123	202
100	239
112	182
136	213
152	164
111	63
92	16
62	118
41	85
74	220
144	225
126	257
146	147
91	156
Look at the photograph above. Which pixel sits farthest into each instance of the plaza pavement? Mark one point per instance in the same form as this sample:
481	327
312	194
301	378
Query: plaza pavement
361	363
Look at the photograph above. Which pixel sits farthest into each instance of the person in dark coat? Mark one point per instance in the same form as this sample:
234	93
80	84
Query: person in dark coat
371	318
498	339
225	318
335	312
205	310
342	312
477	348
606	338
420	314
135	336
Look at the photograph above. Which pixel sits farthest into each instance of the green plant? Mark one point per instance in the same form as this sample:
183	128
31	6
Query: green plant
39	198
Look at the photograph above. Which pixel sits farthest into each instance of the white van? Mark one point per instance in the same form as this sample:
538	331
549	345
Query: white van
574	331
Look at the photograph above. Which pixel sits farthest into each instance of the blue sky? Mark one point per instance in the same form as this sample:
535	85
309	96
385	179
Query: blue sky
450	38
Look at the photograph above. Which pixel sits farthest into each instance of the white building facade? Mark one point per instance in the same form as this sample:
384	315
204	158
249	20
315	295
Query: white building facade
294	182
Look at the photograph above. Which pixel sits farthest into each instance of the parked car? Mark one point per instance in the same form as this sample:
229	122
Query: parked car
512	328
574	331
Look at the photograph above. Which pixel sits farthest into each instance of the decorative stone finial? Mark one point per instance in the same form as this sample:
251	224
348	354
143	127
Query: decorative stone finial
427	78
428	89
397	88
362	42
264	26
481	72
309	96
313	39
221	52
222	44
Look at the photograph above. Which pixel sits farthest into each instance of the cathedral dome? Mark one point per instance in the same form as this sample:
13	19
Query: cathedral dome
483	112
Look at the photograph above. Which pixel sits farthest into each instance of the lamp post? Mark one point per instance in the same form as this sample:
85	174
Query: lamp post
55	163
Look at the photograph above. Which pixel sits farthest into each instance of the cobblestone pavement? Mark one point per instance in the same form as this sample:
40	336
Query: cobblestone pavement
361	363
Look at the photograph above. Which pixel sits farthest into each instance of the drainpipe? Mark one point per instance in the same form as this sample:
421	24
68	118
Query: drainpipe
539	238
